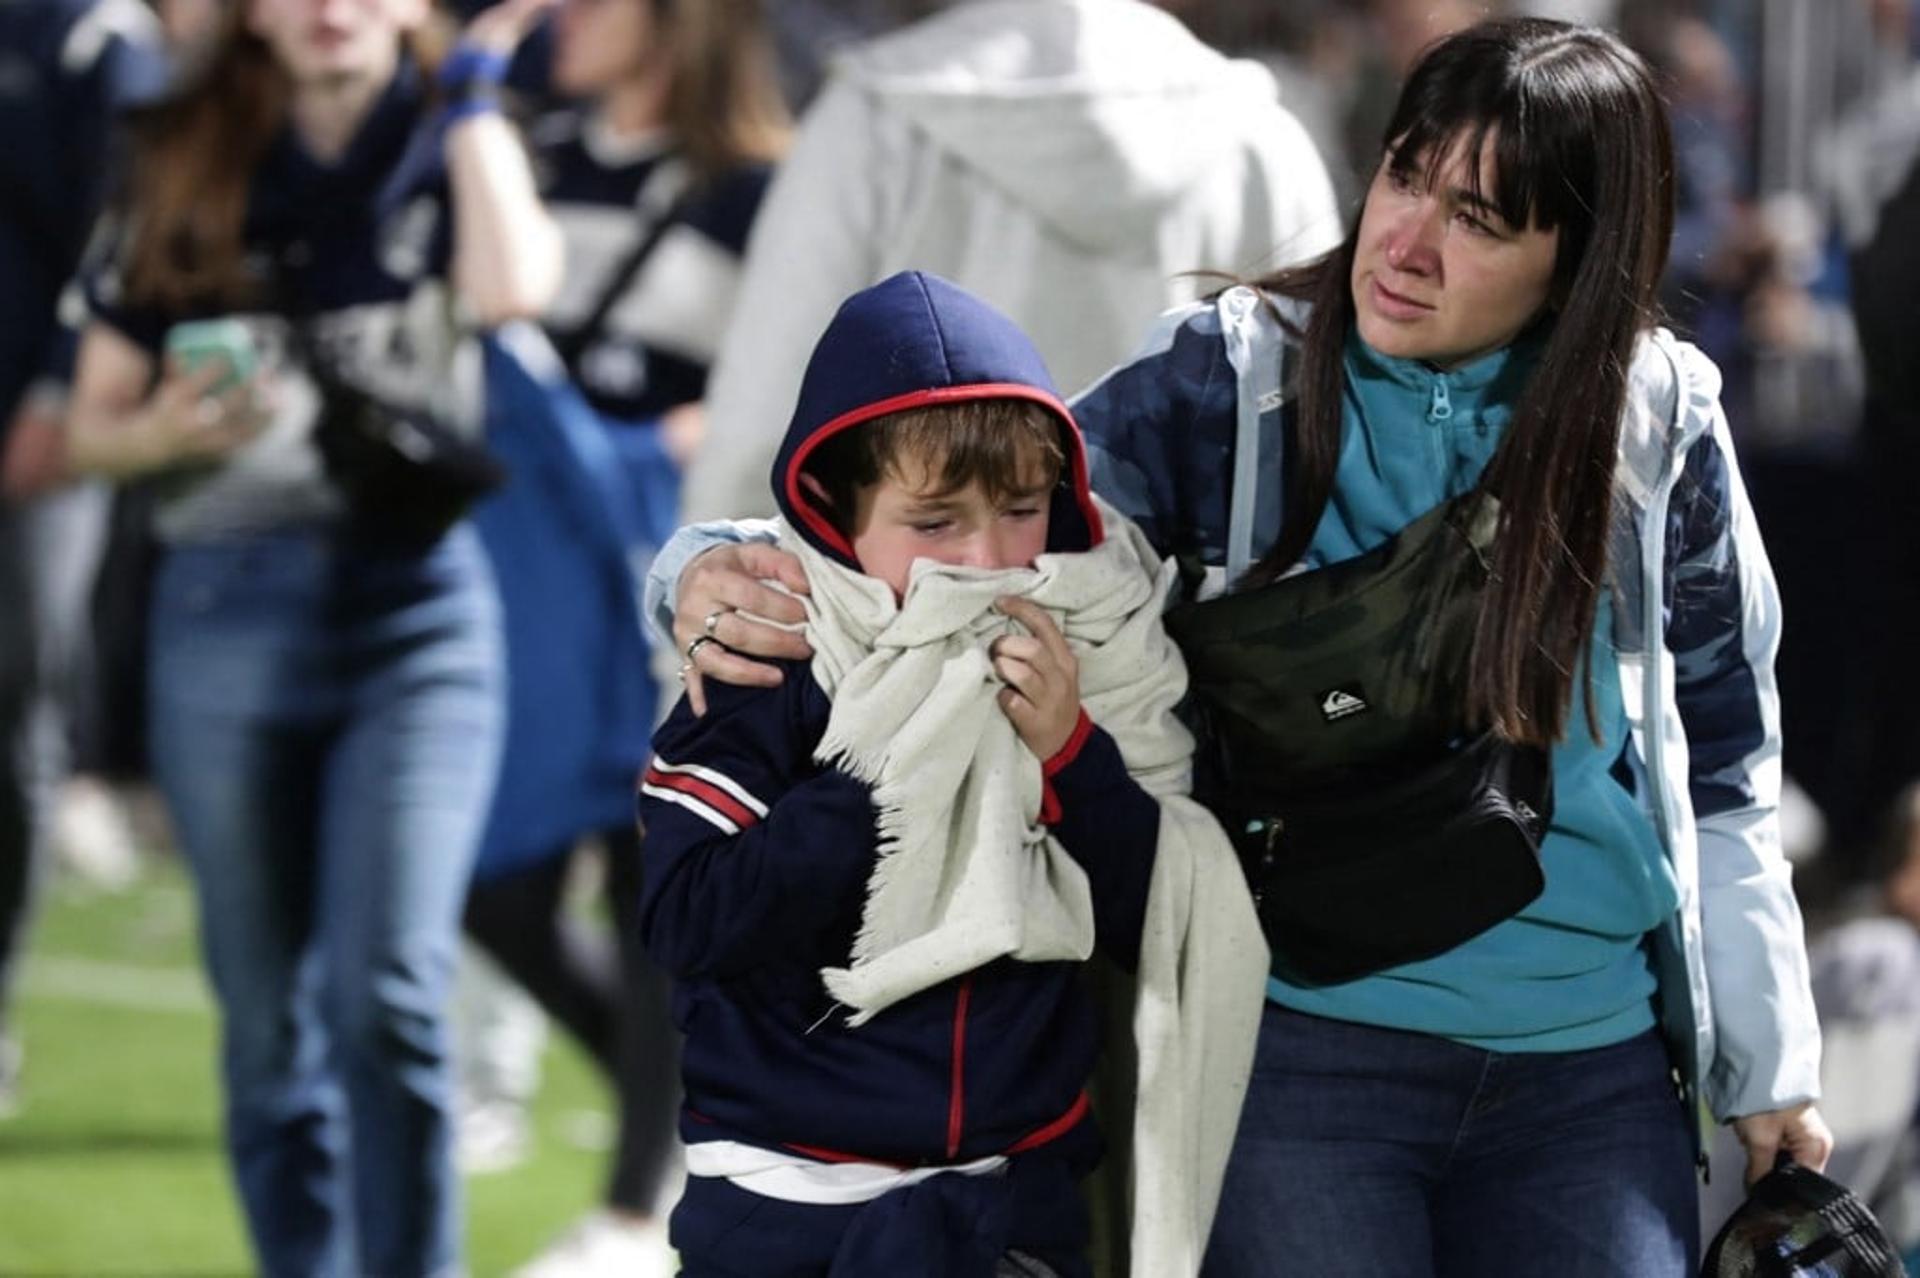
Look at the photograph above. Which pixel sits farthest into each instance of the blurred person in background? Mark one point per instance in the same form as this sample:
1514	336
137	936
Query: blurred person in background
1315	49
1069	161
325	681
653	179
1872	167
1759	281
67	67
1865	967
809	34
654	182
1394	34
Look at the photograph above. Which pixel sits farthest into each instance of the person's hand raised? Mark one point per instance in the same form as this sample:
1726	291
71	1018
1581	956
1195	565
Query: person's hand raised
501	27
714	637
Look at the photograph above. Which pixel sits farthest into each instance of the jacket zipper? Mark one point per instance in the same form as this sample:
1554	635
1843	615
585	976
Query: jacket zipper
956	1101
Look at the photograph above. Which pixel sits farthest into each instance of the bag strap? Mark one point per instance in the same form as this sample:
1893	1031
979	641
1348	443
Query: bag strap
663	197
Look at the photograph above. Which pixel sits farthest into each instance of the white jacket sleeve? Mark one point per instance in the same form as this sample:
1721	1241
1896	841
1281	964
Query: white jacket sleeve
810	248
1723	630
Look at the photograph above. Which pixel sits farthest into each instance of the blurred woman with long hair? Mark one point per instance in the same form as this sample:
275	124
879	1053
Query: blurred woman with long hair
315	221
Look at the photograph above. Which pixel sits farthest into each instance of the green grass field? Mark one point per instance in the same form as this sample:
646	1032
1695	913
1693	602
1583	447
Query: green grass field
113	1166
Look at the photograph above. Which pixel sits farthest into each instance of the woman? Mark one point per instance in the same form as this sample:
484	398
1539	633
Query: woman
1506	1105
325	687
653	180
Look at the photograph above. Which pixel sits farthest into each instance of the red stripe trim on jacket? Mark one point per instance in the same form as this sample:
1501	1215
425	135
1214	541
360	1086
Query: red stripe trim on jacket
1039	1136
1067	753
711	795
1055	1130
957	1102
1050	809
836	1156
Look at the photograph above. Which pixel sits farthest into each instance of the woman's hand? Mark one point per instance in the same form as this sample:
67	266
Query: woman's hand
184	422
713	591
188	423
1042	695
119	426
1797	1130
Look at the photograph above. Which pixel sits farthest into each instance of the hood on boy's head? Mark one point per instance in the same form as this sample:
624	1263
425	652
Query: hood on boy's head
916	341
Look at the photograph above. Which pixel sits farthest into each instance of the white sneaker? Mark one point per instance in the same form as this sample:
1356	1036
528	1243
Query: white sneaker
490	1138
604	1244
93	837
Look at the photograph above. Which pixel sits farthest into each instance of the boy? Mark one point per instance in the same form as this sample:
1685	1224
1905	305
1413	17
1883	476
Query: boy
875	882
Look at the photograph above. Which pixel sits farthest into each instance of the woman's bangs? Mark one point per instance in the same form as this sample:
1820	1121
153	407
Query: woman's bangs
1432	141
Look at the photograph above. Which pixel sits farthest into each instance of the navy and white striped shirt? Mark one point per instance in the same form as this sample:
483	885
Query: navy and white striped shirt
652	350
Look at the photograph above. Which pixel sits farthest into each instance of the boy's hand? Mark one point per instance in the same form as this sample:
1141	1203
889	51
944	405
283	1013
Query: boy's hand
1042	695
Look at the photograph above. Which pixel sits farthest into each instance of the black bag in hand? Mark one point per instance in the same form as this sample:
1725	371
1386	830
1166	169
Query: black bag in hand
1797	1223
407	476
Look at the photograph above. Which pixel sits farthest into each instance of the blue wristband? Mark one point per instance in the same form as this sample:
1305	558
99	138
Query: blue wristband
471	70
474	101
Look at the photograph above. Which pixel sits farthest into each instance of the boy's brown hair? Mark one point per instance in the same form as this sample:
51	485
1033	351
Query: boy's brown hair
1004	445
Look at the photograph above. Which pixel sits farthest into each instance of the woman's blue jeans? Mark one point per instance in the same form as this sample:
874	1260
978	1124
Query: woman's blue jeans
326	719
1365	1152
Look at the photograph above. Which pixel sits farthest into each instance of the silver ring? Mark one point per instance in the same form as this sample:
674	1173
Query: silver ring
682	671
713	620
693	648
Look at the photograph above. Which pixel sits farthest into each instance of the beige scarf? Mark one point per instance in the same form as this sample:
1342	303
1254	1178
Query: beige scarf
966	873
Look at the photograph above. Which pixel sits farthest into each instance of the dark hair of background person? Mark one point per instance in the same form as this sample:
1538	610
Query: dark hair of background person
1898	826
1580	142
724	105
194	158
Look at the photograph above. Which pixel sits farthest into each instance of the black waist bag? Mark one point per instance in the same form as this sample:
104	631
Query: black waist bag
407	476
1374	828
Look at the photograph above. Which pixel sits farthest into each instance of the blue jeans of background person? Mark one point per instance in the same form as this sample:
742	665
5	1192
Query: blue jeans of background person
325	727
1366	1152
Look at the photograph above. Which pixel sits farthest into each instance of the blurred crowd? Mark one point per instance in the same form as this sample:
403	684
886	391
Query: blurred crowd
720	175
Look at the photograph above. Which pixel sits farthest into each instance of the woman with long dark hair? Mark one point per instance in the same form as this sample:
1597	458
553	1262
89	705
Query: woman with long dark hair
314	223
1504	1101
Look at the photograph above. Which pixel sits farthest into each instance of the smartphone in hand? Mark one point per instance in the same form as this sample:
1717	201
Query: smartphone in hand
197	343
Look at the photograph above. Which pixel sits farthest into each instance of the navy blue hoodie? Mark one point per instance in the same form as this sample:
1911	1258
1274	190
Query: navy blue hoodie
756	859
